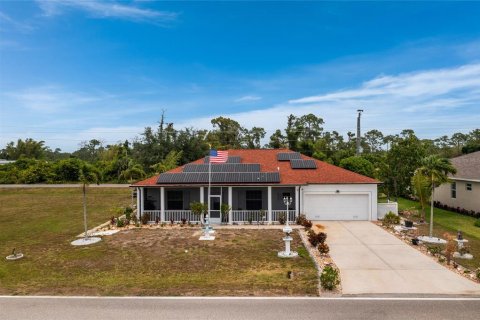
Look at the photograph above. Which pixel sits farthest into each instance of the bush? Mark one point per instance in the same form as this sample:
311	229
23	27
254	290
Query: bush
477	223
145	217
307	224
390	218
282	218
329	278
315	239
128	213
120	223
301	219
323	248
477	273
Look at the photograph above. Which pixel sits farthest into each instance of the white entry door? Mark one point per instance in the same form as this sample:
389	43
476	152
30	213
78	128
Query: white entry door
215	214
320	206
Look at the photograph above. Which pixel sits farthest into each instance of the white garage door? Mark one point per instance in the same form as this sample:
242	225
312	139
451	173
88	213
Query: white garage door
336	206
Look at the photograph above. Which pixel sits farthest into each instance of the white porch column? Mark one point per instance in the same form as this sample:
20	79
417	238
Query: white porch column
230	204
269	205
202	194
142	194
138	203
162	204
297	201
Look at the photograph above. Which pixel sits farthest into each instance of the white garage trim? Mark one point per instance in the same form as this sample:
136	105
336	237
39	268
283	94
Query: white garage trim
369	190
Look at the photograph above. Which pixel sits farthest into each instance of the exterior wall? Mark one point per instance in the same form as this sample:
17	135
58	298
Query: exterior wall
239	197
368	189
469	200
152	197
277	198
384	208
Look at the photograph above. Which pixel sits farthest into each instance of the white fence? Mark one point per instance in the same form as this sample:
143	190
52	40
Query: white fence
261	216
384	208
238	216
176	215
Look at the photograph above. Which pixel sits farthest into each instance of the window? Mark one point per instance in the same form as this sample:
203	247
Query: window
253	199
453	189
468	186
174	200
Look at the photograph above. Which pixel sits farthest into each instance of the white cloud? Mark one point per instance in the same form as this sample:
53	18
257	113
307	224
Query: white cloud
49	99
431	102
106	9
6	20
248	99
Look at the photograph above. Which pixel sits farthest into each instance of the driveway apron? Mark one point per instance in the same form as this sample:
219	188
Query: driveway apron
373	261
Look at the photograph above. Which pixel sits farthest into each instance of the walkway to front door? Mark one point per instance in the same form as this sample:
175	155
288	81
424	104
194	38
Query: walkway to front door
372	261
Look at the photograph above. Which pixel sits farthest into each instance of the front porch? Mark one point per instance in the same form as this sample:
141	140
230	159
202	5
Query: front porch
249	205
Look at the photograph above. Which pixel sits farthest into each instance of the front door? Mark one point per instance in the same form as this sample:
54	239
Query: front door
215	214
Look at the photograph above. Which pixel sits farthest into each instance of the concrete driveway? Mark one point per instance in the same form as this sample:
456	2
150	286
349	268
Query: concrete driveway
372	261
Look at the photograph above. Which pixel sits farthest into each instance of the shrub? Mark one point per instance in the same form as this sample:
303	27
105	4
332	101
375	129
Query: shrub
184	221
145	218
477	223
282	218
434	250
323	248
301	219
477	273
315	239
128	213
390	218
307	224
120	223
329	278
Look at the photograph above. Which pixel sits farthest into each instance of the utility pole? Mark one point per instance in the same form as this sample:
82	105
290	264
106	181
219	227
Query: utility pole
358	132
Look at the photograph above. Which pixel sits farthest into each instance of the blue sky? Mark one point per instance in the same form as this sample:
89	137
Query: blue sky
74	70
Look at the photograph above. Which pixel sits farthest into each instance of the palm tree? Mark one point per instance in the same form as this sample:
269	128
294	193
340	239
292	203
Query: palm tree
88	174
421	189
437	169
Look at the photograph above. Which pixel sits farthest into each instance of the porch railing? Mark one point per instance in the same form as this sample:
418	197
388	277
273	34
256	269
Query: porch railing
154	214
259	216
276	215
178	215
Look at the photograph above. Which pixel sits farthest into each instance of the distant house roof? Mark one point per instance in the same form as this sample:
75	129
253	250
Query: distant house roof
266	166
468	166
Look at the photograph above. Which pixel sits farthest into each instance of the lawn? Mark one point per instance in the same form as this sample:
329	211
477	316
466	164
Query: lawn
451	222
166	261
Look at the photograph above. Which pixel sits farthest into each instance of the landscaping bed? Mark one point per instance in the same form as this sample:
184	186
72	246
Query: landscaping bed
41	223
441	253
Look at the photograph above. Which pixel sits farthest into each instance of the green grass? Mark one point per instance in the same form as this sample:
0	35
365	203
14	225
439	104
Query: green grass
42	222
451	222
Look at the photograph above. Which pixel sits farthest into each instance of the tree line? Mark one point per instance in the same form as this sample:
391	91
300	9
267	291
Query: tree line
391	159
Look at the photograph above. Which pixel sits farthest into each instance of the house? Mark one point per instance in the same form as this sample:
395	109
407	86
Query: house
254	183
464	189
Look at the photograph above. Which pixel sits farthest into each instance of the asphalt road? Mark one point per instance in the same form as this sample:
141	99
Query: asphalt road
235	308
63	185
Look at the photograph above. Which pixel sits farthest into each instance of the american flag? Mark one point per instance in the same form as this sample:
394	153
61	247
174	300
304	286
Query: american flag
218	156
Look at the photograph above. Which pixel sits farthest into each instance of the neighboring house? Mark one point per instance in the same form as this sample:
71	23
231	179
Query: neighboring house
253	183
464	189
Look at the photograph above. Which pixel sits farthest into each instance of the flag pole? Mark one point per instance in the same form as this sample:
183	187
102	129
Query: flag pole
209	183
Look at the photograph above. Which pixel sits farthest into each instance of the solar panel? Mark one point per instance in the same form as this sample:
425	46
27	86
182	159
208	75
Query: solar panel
223	167
230	159
219	177
285	156
302	164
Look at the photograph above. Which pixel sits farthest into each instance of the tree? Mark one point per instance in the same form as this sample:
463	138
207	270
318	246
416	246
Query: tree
29	149
358	165
88	174
253	137
134	171
421	189
374	140
277	140
170	162
227	133
437	169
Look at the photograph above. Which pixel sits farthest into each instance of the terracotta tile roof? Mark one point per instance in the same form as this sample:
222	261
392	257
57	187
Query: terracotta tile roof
325	173
468	166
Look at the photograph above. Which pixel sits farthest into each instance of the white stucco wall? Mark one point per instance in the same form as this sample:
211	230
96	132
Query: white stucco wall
466	199
384	208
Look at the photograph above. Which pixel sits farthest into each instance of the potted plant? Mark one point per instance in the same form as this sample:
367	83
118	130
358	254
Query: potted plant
408	223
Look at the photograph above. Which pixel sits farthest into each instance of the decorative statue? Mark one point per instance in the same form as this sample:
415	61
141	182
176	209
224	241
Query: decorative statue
459	235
